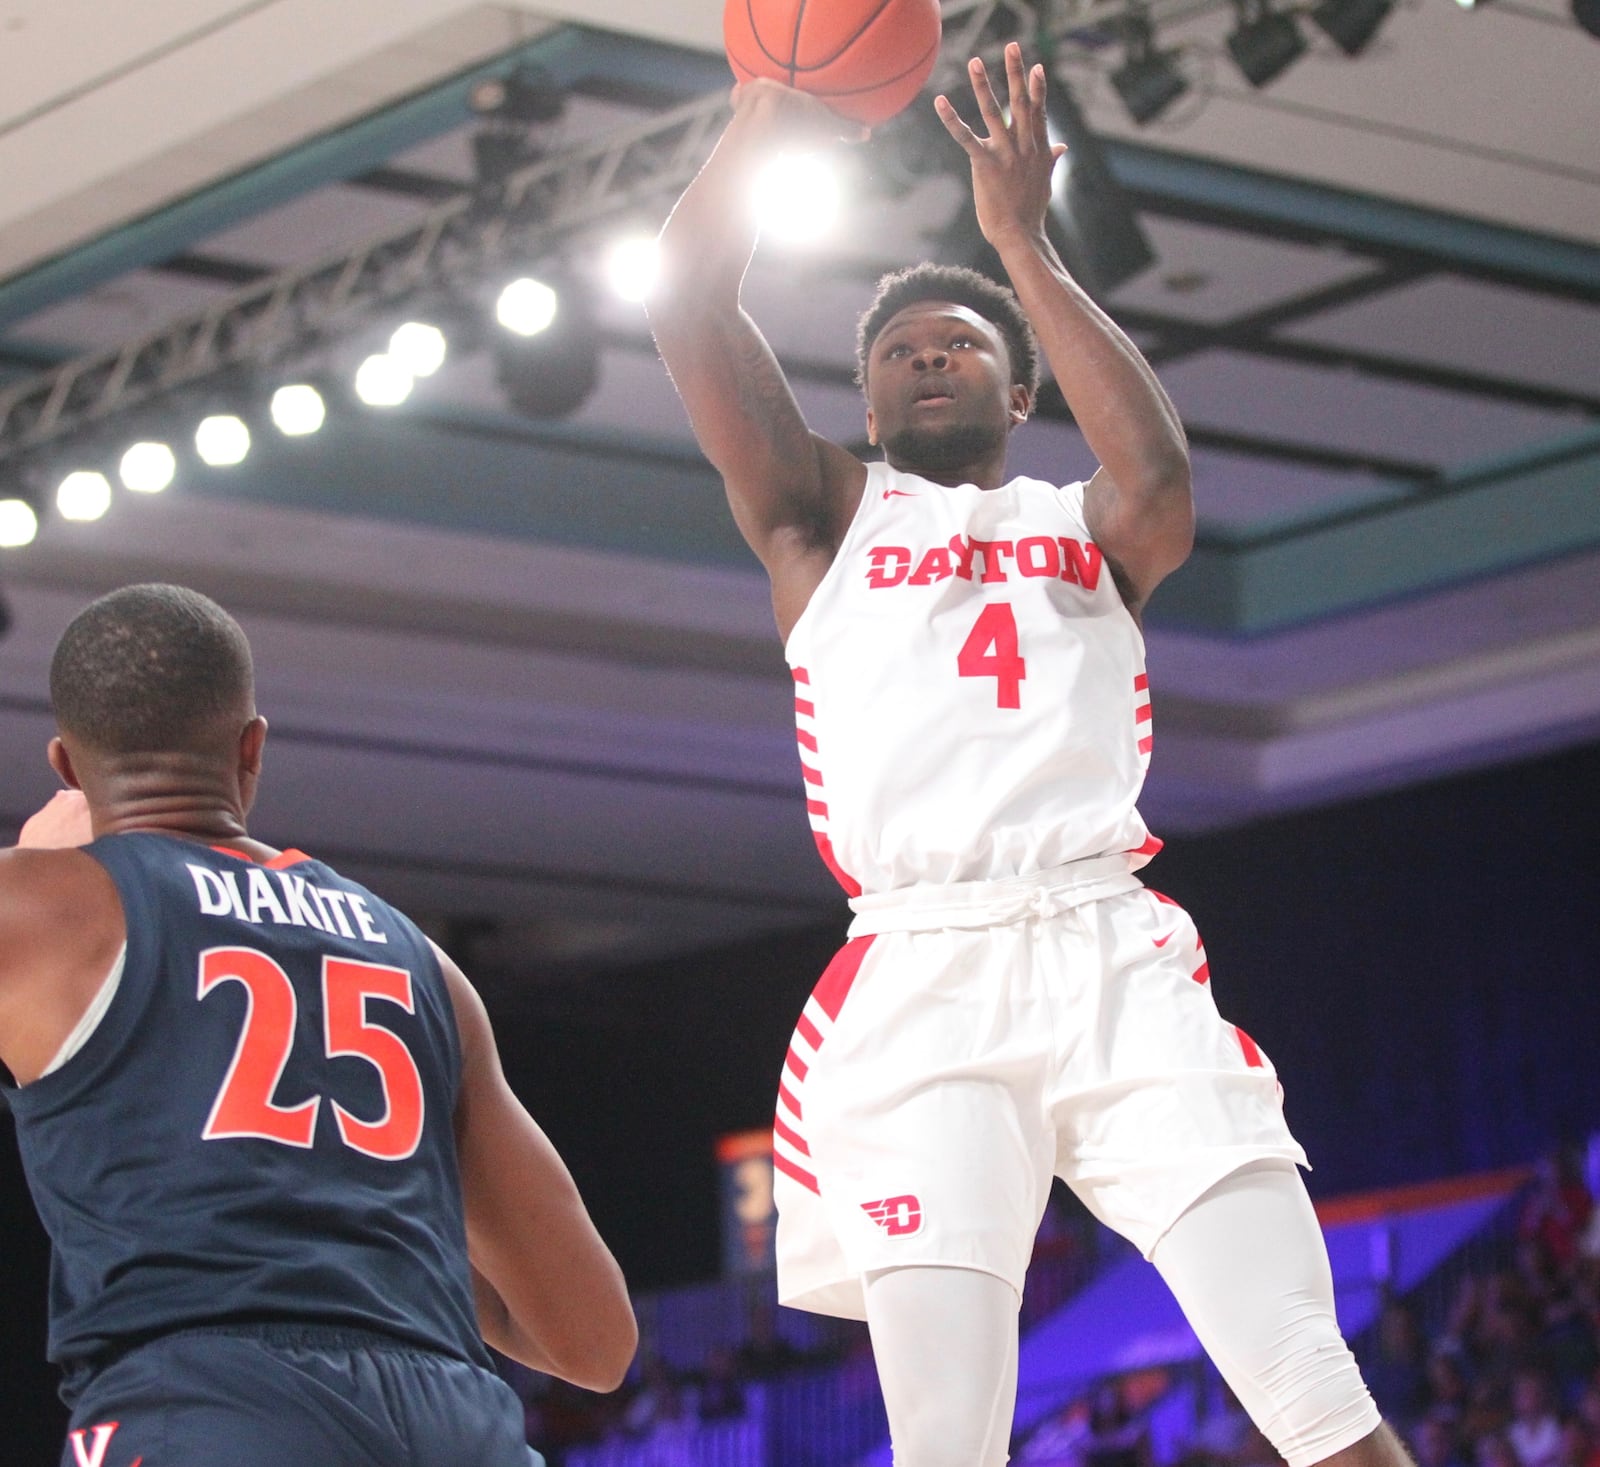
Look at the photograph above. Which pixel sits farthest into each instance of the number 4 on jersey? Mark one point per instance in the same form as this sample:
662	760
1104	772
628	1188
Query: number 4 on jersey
991	651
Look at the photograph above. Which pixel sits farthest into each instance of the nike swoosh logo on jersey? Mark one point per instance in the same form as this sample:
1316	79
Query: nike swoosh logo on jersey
1162	941
903	493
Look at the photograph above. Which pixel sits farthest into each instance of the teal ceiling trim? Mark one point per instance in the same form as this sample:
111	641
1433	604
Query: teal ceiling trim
568	55
1496	519
1358	217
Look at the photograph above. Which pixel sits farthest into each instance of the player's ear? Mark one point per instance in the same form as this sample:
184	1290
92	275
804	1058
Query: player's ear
872	429
61	762
252	741
1021	404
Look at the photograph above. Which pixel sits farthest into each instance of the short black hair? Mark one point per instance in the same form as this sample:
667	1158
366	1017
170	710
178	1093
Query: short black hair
152	668
997	304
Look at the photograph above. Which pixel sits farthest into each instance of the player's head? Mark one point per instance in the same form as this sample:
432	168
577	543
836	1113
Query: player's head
949	365
152	671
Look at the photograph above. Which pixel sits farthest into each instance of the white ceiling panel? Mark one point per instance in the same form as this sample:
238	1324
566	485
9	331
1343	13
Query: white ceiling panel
140	301
313	225
1234	494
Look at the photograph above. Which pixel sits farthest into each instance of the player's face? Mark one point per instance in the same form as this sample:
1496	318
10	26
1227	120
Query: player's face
939	389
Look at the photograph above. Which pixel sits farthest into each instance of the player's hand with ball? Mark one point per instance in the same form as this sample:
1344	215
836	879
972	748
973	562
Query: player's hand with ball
801	118
1011	166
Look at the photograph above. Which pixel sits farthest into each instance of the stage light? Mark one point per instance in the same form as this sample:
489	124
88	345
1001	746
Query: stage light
1587	14
298	409
526	307
796	198
1089	219
631	266
1351	24
222	440
18	524
85	494
1264	42
551	373
1148	81
418	347
381	381
528	94
147	468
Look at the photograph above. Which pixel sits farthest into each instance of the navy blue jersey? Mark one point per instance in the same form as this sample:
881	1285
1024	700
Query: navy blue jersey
260	1128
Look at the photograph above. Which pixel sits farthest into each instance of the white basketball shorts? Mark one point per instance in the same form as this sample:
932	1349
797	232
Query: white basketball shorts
971	1041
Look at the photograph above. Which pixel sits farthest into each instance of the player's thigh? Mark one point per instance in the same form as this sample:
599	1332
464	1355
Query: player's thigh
1248	1265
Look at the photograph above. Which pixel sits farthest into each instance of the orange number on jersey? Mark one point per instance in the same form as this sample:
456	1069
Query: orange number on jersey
244	1105
346	987
991	651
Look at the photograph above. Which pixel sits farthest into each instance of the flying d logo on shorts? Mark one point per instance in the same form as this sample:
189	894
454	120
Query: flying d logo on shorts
897	1216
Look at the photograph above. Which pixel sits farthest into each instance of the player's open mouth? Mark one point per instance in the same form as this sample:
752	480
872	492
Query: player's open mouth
933	398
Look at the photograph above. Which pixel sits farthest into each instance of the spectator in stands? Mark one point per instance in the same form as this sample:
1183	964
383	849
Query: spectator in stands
1557	1209
656	1397
1535	1430
1579	1448
1495	1451
1117	1437
766	1353
1447	1385
1394	1368
1435	1443
721	1391
1227	1437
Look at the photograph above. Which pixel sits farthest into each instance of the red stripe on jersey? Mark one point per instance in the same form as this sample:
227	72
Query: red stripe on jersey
1252	1055
787	1097
802	706
851	886
1141	714
796	1066
1202	974
800	1174
834	986
1152	844
810	775
1141	682
1160	896
789	1134
1146	743
807	740
809	1032
801	675
817	807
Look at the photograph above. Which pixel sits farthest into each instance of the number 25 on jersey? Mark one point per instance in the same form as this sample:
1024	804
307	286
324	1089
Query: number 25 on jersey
244	1105
991	650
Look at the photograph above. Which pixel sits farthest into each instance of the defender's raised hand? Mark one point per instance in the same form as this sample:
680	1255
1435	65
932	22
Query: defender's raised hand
1011	167
62	823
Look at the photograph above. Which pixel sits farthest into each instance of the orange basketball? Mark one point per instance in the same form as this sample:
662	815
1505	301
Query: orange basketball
867	59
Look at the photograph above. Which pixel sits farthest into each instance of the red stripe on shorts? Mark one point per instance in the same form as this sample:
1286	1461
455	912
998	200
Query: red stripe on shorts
797	1066
787	1097
834	986
808	1031
1202	974
1252	1055
789	1134
799	1173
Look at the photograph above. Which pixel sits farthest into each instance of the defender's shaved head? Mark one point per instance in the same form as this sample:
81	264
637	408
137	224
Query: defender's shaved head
152	669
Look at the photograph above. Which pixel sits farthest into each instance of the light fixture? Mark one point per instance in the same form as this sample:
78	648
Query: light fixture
147	468
550	373
796	198
381	381
298	409
1587	14
222	440
528	94
418	347
1264	42
1148	81
527	306
18	524
85	494
631	266
1089	219
1350	24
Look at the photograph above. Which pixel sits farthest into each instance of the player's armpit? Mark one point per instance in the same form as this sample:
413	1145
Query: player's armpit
1144	536
556	1299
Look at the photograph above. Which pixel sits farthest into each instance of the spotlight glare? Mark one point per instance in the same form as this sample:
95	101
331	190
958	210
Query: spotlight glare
18	524
631	267
147	468
222	440
796	198
381	381
85	494
526	307
298	409
418	347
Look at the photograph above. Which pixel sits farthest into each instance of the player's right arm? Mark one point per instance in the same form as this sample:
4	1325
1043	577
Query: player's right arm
792	492
548	1291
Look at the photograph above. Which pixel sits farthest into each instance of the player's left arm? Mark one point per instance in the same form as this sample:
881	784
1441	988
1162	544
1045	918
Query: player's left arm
1139	505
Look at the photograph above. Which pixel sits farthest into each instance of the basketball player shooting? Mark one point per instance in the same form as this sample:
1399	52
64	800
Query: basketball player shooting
288	1190
974	727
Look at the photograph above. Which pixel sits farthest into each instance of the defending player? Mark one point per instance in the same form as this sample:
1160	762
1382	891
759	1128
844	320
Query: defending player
262	1117
974	725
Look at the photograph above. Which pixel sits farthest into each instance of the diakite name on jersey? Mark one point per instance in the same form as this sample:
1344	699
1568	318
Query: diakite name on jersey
1044	557
295	902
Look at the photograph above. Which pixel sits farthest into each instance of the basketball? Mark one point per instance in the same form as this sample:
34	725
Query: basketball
867	59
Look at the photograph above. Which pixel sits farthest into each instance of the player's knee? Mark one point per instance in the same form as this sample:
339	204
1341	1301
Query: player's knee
1317	1403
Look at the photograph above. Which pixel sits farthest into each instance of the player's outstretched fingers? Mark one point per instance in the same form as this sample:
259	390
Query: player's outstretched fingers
957	129
988	103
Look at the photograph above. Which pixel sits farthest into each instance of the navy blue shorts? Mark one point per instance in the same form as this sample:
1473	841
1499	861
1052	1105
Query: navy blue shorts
284	1396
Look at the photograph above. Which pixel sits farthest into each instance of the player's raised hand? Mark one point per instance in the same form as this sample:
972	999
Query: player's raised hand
63	823
795	117
1011	166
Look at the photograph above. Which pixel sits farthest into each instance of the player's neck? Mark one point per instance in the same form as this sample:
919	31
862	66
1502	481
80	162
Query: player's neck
171	794
987	473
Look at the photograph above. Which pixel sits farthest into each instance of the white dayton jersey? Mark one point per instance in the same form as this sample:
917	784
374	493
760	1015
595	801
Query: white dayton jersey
970	692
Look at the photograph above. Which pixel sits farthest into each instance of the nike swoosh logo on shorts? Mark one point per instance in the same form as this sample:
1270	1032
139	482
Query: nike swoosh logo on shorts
1162	941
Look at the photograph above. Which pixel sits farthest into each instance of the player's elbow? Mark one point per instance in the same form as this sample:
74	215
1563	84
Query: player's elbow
599	1361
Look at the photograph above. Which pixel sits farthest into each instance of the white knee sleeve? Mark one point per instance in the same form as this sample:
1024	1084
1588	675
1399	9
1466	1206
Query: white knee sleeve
1248	1265
945	1342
